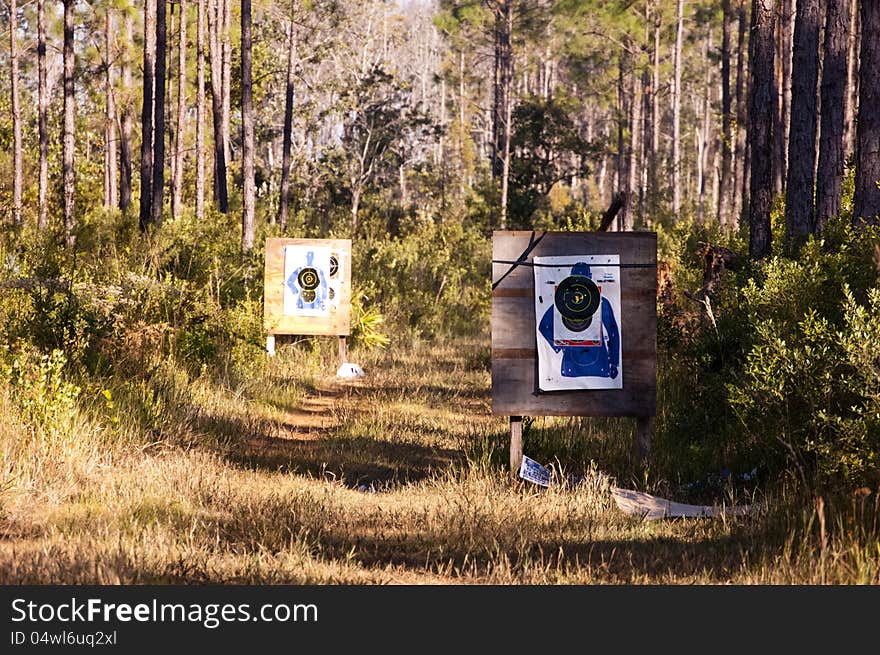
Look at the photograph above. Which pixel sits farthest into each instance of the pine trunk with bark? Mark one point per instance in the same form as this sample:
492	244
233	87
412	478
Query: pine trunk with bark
739	156
724	195
829	177
157	202
247	130
676	112
287	135
200	112
16	114
801	179
760	142
867	193
147	117
68	138
782	115
507	104
221	195
180	130
42	119
111	165
226	54
127	120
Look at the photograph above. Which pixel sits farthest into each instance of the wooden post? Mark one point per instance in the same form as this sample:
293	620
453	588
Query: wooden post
644	426
270	345
343	350
516	443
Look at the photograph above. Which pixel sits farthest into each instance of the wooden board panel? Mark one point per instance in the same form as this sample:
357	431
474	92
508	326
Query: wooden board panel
274	319
514	349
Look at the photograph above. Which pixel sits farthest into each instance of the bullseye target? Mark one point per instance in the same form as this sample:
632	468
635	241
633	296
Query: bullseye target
577	299
308	279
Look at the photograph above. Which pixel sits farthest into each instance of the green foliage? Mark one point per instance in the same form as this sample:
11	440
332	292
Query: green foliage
431	279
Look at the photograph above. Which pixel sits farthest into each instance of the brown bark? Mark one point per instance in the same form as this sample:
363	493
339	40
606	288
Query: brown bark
200	112
505	18
221	195
829	178
226	54
676	113
68	137
16	113
111	166
852	79
247	129
801	176
760	125
125	149
782	115
867	194
724	195
156	204
739	157
43	118
147	116
287	136
180	131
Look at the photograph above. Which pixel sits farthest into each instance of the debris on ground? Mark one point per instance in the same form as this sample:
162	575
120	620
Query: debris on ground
633	503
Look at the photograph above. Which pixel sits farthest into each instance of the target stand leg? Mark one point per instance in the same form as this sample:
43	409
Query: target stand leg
343	349
644	427
516	444
270	345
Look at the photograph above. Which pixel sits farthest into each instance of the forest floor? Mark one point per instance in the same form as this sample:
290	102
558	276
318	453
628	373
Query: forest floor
398	477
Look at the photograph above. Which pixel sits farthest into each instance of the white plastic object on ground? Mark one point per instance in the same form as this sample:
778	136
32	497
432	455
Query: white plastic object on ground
637	503
349	371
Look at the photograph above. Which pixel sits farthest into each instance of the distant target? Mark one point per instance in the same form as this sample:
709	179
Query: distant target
308	280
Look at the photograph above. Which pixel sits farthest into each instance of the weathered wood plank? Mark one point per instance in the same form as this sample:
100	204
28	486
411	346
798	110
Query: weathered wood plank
514	349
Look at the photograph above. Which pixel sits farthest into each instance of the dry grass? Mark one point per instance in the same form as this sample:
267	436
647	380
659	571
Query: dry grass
287	476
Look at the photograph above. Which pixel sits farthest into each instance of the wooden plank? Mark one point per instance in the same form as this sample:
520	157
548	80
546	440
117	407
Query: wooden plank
516	443
275	321
514	348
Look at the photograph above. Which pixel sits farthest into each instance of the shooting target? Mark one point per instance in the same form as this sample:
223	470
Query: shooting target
578	322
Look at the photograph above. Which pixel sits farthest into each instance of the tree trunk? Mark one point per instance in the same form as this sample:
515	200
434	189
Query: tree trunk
200	112
147	116
724	195
16	113
43	118
180	131
676	113
829	178
633	174
247	129
867	194
760	124
69	132
782	116
221	195
125	150
852	79
111	167
739	157
802	138
507	104
287	136
703	149
156	205
226	52
653	156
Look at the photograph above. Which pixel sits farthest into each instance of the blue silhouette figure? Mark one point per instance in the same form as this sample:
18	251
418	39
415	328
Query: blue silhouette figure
309	285
602	360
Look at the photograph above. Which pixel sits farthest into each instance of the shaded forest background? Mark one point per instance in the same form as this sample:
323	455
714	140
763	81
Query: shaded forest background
148	150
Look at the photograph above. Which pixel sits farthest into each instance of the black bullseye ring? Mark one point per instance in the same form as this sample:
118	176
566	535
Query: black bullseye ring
577	298
308	279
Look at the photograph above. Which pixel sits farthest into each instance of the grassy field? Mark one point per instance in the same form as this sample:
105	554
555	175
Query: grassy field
281	474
